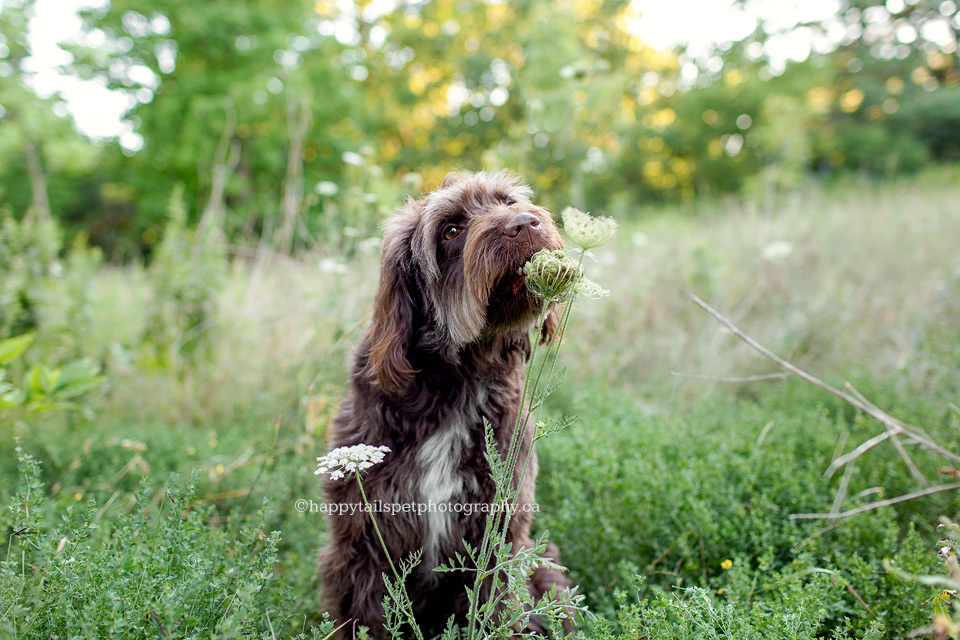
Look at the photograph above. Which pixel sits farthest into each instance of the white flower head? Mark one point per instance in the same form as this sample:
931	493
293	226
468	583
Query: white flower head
326	188
350	157
590	289
776	250
585	230
344	461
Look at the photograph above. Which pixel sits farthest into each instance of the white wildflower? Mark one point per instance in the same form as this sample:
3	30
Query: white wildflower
350	157
331	265
349	460
590	289
326	188
585	230
776	250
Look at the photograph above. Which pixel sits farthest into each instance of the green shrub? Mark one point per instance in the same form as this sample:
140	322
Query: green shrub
65	305
678	498
795	611
41	388
159	569
186	275
42	292
28	254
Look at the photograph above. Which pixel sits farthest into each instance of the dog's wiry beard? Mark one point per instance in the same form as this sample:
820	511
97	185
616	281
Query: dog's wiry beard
498	291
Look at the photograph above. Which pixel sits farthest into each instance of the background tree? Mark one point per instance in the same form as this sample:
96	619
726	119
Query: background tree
214	85
305	127
40	148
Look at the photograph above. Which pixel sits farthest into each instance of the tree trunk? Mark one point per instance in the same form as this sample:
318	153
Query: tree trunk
298	123
224	163
40	207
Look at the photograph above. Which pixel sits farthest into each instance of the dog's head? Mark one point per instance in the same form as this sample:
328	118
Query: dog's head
449	272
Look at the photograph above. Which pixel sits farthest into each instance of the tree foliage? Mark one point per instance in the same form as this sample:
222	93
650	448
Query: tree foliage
305	126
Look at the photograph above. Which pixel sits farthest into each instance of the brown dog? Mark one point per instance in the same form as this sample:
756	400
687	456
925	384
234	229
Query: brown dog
446	349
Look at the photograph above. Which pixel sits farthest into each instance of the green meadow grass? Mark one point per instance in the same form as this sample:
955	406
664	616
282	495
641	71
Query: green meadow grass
170	512
702	498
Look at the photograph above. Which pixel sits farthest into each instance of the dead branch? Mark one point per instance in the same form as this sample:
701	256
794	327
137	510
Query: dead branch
870	506
894	429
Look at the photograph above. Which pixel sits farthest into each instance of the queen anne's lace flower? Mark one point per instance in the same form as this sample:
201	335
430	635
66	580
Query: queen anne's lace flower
590	289
349	460
585	230
552	275
556	277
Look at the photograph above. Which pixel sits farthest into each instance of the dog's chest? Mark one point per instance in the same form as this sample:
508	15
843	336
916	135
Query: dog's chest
445	476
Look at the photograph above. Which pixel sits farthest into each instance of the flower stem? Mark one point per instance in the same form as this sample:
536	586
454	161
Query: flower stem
501	495
497	528
561	329
407	605
386	552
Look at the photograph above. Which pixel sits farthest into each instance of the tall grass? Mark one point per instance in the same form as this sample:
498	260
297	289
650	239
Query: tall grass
855	278
847	279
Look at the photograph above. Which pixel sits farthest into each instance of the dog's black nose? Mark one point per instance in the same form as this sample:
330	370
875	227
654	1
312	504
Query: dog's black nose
520	222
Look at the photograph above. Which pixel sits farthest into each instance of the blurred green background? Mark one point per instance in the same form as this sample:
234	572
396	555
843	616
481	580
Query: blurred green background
302	121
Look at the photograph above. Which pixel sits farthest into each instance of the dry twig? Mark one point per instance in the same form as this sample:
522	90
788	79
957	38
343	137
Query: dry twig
894	430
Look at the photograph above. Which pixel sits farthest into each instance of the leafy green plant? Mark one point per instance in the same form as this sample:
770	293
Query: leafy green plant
702	498
65	305
156	570
946	600
796	611
43	388
28	254
187	274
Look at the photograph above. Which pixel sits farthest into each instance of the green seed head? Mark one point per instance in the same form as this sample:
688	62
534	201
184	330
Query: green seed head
552	275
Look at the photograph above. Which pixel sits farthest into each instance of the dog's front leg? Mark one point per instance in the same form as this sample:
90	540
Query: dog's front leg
353	591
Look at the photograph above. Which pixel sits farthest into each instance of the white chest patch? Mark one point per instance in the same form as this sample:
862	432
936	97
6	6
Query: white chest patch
440	484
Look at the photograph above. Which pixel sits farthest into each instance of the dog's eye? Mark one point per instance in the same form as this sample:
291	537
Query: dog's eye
451	231
509	201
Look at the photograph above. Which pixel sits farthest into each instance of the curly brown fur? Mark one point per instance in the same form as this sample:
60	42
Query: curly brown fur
445	350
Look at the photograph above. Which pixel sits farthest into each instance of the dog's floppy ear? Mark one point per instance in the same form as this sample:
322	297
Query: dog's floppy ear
392	329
